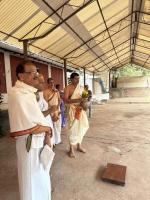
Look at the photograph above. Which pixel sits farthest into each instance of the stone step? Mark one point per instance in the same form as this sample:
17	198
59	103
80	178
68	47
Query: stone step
130	92
130	100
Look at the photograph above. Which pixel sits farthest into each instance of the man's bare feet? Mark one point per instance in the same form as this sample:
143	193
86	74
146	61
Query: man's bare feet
79	148
71	154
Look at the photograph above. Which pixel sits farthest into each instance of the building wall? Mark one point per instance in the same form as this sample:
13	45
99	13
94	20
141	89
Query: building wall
14	61
132	87
2	74
43	69
132	82
98	89
8	63
57	75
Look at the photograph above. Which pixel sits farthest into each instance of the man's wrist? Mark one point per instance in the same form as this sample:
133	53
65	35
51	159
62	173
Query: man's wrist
48	133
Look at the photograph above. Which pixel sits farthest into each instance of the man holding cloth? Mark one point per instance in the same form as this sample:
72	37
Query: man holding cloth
77	118
30	129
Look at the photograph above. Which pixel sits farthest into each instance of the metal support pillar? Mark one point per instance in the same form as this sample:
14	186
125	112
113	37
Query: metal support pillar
93	83
25	49
109	80
65	72
84	76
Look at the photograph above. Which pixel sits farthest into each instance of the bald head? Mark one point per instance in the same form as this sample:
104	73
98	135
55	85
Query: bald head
41	82
27	73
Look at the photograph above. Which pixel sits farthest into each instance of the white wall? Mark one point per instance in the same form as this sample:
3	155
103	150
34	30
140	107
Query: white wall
132	82
49	70
7	75
97	86
7	71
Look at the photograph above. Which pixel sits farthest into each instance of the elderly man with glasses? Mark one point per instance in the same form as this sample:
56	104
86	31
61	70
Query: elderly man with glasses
31	130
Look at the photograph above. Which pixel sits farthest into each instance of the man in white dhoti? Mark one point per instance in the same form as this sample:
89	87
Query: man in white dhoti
30	129
44	105
52	97
77	118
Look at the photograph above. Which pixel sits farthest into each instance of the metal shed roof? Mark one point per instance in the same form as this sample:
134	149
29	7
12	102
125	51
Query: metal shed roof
97	35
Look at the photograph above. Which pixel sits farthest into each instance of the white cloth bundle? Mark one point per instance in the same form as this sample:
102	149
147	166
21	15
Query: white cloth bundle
46	157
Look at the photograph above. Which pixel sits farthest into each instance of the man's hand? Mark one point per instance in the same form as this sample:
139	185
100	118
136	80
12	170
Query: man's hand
47	140
81	100
49	133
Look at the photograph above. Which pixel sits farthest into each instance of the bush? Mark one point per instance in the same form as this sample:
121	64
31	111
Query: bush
133	70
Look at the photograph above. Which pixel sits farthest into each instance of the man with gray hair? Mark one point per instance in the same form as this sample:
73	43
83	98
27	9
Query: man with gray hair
31	130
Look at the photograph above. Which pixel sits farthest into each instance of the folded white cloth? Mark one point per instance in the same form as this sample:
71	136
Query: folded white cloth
46	157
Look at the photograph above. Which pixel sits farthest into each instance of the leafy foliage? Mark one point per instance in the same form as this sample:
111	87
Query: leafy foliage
133	70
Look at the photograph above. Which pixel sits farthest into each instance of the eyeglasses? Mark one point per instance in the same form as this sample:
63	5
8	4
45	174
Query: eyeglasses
35	74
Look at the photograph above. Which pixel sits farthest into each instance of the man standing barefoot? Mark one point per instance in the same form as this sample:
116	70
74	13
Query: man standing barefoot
52	97
77	118
31	131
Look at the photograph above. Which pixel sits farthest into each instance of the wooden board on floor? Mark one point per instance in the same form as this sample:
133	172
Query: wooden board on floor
115	174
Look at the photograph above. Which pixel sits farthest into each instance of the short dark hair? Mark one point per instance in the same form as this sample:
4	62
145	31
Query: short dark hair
49	79
20	67
73	75
57	86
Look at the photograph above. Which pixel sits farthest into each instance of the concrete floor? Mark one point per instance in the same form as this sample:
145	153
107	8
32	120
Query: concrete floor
122	126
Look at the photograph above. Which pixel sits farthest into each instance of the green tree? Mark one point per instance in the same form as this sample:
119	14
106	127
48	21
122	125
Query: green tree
133	70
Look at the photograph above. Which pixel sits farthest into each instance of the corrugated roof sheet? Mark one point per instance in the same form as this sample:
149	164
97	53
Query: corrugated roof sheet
94	34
